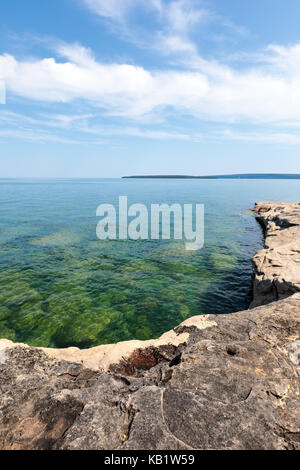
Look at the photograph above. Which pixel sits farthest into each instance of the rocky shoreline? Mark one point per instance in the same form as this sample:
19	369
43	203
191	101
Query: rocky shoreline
277	266
214	382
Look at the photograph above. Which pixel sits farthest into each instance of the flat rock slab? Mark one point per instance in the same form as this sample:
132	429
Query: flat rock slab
234	385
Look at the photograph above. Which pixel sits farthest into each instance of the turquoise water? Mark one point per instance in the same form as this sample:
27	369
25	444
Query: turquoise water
60	286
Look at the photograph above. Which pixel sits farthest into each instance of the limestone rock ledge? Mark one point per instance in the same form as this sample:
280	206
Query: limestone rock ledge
277	267
214	382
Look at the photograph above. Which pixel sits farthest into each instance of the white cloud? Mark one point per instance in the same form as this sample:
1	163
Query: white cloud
285	138
74	129
182	15
121	89
81	129
177	14
48	80
169	44
115	9
118	9
169	27
268	92
134	132
39	136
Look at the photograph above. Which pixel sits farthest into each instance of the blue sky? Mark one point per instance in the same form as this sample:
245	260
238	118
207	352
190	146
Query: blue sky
98	88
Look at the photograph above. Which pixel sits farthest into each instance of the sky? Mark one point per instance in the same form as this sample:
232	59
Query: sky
98	88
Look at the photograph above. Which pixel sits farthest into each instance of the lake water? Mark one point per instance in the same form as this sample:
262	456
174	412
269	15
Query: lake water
60	286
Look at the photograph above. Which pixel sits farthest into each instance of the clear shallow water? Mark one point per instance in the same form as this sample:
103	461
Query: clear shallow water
60	286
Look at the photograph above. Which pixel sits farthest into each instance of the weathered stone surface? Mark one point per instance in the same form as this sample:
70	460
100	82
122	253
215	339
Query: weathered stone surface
214	382
277	267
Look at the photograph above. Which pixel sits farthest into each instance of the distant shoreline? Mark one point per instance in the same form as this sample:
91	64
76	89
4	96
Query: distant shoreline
274	176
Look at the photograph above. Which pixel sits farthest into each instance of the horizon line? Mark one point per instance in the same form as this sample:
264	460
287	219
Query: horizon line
235	175
169	176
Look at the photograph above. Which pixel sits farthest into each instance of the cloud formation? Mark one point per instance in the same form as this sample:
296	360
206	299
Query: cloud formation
267	92
119	9
168	24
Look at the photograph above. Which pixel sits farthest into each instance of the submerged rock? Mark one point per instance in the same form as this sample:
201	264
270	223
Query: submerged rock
214	382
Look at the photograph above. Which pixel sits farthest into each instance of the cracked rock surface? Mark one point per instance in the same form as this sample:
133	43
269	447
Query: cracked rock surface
214	382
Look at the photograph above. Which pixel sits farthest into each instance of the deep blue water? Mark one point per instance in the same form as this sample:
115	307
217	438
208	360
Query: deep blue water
61	286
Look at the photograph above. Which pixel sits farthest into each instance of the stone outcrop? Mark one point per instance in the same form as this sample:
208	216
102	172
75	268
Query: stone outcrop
214	382
277	267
